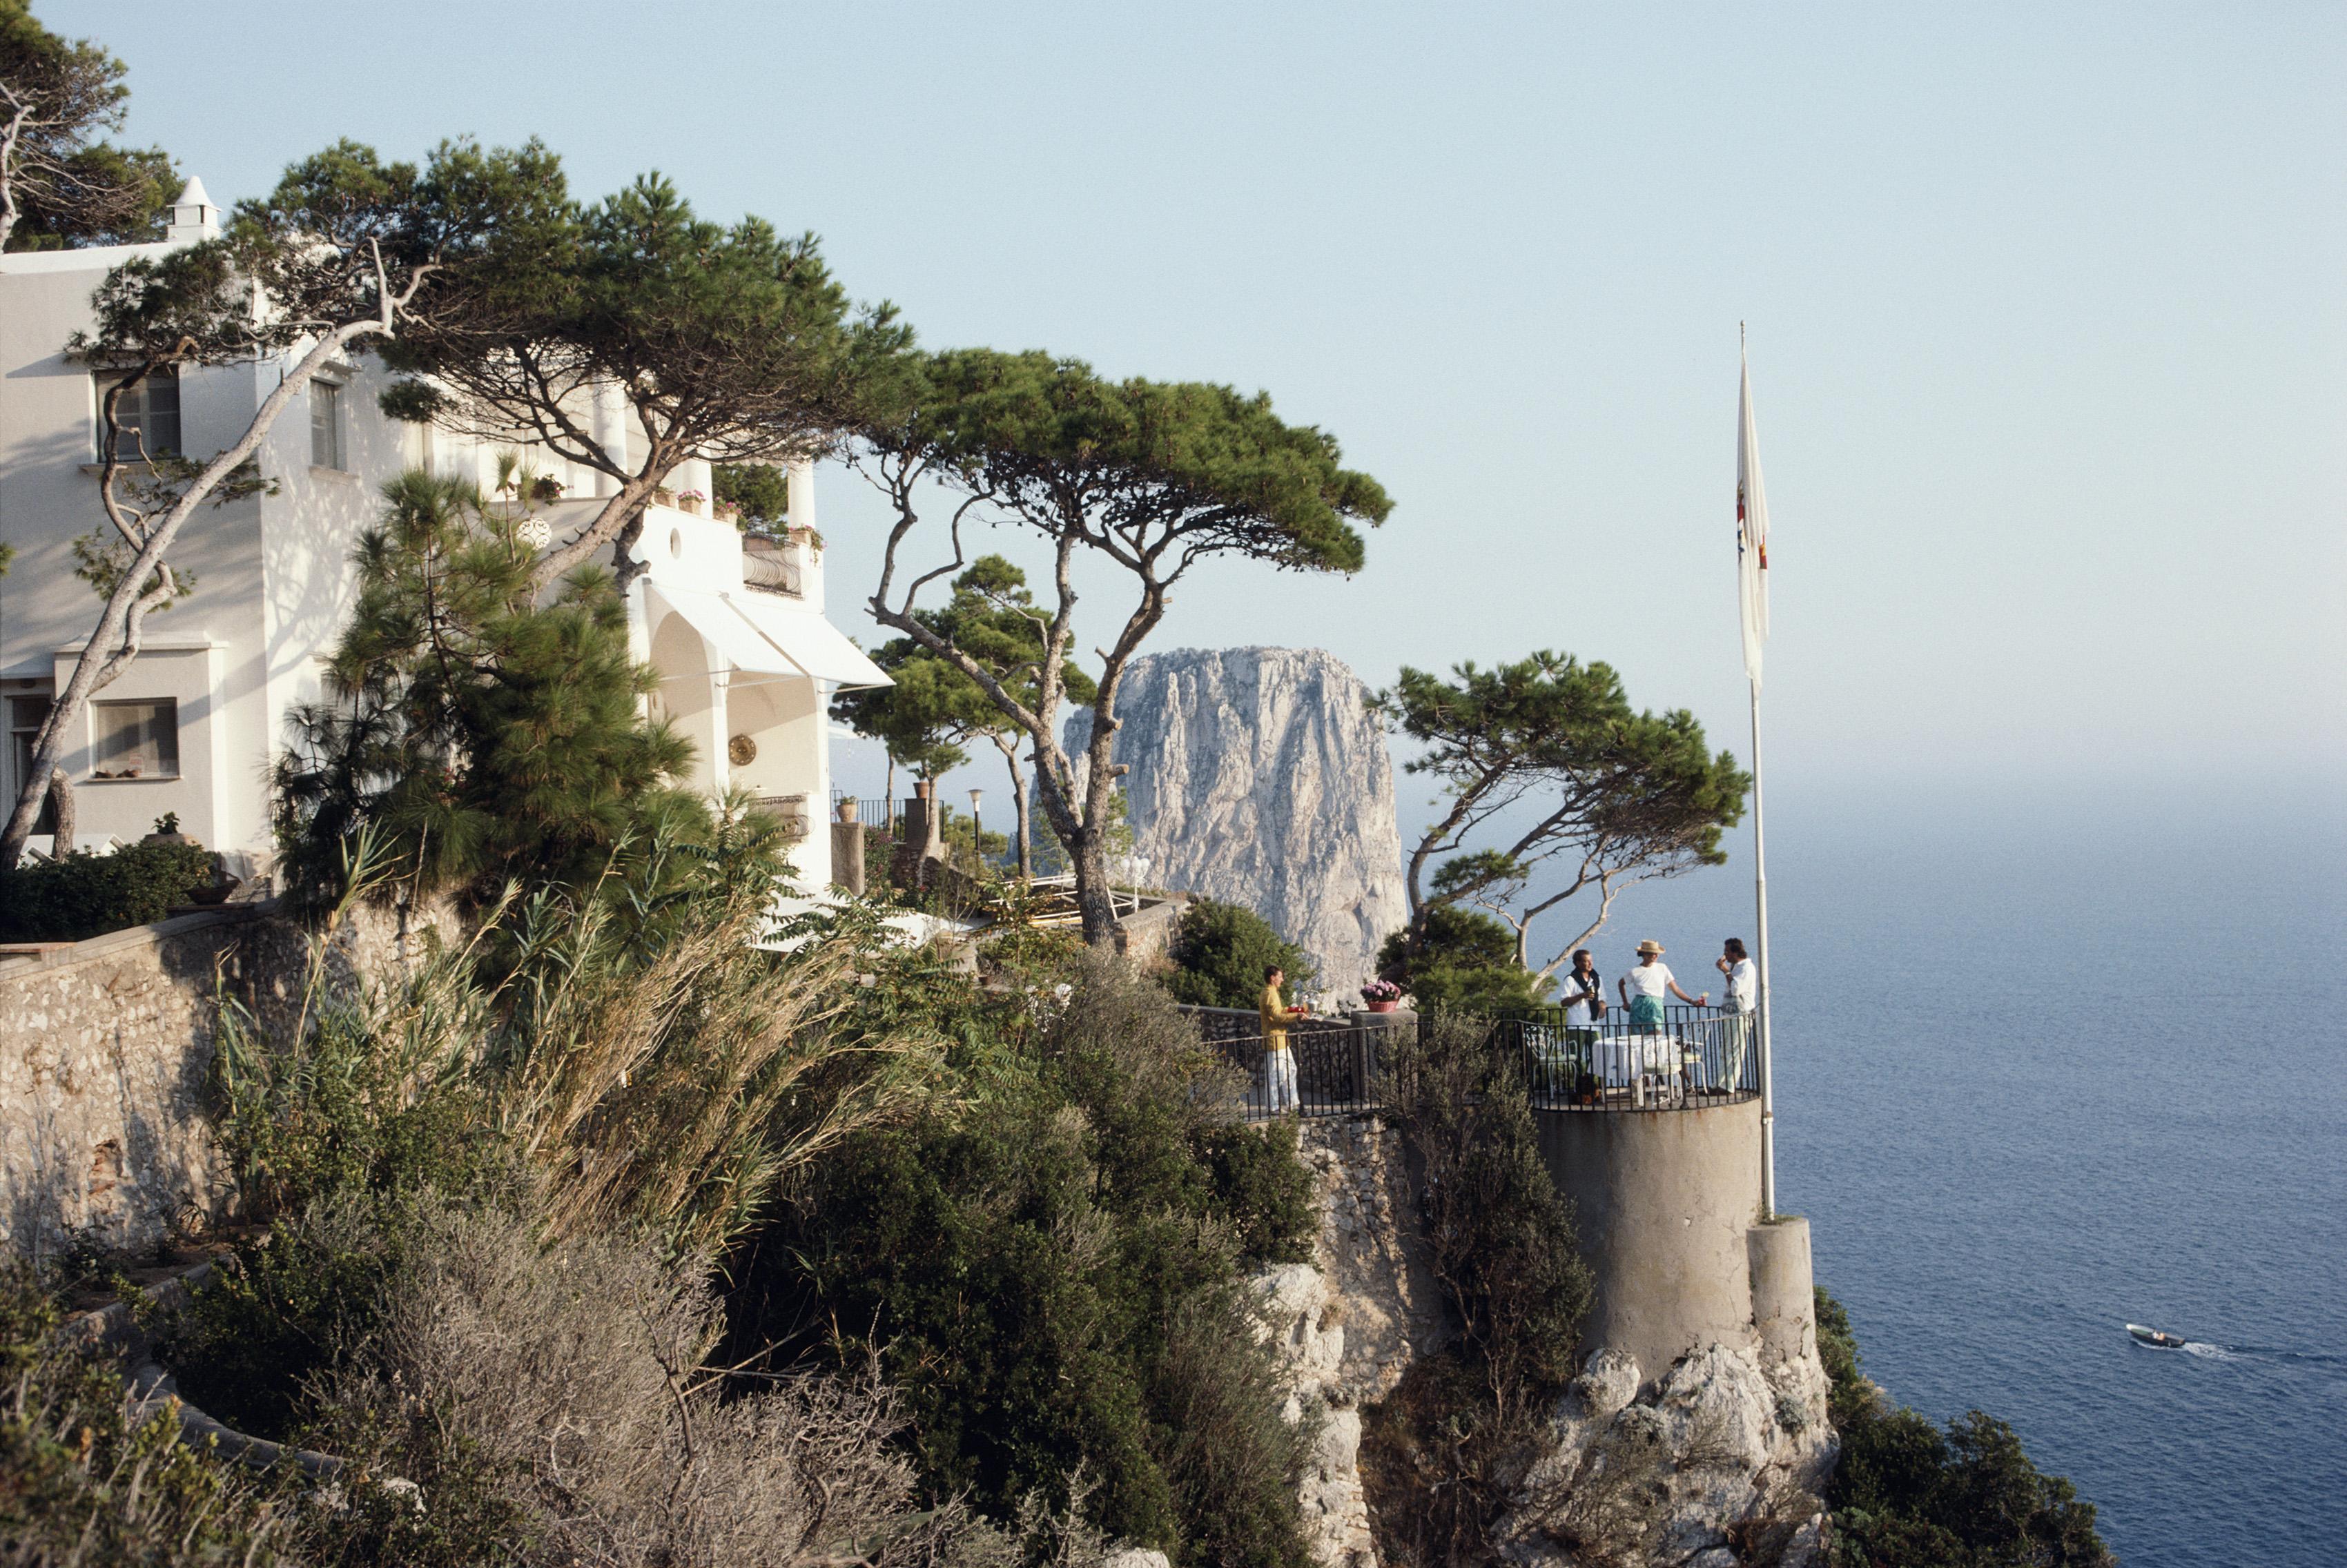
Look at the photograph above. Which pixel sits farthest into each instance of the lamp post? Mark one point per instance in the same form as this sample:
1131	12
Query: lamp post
977	830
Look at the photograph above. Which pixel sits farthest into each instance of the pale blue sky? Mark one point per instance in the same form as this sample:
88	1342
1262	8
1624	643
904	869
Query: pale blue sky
2048	308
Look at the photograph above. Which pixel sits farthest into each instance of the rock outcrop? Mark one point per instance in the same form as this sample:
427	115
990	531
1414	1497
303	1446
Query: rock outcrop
1720	1464
1346	1325
1258	778
1717	1463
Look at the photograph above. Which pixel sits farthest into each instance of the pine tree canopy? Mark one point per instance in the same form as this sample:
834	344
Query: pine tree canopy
484	736
1147	465
1545	762
63	186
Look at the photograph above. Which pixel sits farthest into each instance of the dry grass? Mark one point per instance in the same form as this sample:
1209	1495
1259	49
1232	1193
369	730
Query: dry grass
572	1377
647	1064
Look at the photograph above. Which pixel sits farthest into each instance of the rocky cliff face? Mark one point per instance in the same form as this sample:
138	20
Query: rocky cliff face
1717	1464
1258	778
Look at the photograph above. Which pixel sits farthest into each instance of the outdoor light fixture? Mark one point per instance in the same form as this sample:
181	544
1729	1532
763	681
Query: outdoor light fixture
977	829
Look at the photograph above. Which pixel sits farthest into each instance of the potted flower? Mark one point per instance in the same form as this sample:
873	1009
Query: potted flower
1381	996
662	496
691	500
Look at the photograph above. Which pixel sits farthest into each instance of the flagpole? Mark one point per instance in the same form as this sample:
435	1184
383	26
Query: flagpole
1761	963
1752	533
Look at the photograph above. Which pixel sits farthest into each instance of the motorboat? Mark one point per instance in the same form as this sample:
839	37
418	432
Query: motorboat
2152	1339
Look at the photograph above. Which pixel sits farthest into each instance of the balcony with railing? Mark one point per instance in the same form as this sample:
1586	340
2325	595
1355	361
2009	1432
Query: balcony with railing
772	566
1694	1059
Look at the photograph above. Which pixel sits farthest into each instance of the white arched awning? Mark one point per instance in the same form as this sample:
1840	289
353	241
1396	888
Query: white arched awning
771	638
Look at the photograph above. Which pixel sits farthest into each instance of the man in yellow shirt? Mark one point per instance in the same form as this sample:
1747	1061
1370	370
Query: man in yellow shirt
1278	1061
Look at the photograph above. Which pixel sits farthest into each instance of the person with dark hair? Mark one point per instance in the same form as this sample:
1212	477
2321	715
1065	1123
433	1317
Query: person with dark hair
1743	979
1584	1008
1743	996
1278	1061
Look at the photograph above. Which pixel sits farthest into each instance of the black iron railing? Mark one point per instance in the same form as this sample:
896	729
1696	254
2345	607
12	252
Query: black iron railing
1330	1067
881	814
1695	1057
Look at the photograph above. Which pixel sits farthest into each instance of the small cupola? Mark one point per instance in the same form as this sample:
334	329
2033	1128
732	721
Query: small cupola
193	216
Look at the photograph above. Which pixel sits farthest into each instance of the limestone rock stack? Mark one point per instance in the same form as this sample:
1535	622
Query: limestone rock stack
1258	778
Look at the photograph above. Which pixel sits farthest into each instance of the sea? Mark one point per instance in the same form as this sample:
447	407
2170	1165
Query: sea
2054	1060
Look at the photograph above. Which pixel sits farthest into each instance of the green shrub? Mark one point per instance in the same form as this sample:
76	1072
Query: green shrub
344	1111
83	895
1448	1450
1220	952
78	1483
1231	1460
278	1311
631	1049
1907	1494
1050	1270
1456	960
1503	1239
1264	1189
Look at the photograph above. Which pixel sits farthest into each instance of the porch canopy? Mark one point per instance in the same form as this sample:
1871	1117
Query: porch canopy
774	639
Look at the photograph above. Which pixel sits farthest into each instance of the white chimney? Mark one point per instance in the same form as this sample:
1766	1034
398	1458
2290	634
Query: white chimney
193	216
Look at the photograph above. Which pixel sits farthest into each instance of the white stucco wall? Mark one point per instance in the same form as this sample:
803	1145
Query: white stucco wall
274	583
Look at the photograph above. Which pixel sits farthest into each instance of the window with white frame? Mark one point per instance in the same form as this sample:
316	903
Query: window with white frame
326	424
24	717
135	739
145	418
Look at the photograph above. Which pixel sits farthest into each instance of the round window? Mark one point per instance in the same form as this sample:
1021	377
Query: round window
676	544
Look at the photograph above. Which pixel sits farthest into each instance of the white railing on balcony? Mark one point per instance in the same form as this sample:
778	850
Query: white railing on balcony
769	569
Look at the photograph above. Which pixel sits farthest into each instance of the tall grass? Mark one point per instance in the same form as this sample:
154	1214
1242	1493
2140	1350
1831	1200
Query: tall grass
628	1049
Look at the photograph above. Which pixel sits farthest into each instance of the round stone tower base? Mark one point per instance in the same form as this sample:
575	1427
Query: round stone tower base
1784	1302
1668	1203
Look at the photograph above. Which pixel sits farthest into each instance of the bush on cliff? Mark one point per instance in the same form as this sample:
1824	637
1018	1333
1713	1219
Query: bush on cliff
1444	1455
614	1068
1908	1494
1049	1266
1456	960
85	895
81	1481
1220	952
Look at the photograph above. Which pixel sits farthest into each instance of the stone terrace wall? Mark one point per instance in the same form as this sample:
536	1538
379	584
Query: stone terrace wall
106	1053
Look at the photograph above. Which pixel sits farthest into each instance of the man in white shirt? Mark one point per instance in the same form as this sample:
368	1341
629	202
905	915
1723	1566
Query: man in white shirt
1584	1007
1743	979
1743	996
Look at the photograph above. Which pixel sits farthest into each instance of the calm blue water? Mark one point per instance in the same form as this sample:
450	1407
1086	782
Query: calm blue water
2049	1065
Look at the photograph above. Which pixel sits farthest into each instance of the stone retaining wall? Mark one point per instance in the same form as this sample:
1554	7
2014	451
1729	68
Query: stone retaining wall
106	1053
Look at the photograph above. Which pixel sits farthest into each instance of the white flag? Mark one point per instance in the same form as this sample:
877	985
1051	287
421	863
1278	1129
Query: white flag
1751	534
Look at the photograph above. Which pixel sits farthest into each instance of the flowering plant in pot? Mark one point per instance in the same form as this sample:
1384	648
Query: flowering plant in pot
1382	996
691	500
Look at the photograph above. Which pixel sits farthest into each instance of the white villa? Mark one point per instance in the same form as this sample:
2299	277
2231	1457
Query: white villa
734	627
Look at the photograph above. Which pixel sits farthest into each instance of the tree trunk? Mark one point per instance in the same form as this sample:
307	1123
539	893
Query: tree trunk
61	814
1026	828
1024	844
1094	900
115	642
